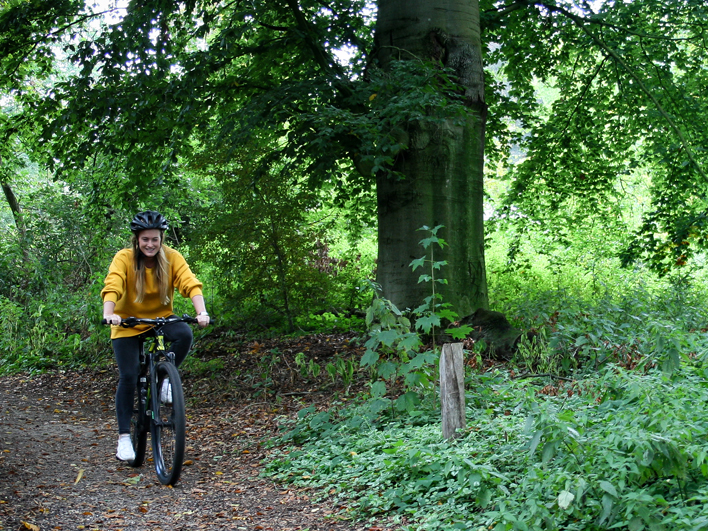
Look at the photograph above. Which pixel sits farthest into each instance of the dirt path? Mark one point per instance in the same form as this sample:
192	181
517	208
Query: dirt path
58	470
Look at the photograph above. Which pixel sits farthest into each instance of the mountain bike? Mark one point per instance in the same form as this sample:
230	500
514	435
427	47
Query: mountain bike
164	419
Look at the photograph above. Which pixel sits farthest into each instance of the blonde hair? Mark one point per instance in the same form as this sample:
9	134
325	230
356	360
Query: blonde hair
160	270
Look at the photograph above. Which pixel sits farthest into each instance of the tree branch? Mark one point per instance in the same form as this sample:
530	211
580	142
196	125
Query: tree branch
323	59
494	15
15	208
582	24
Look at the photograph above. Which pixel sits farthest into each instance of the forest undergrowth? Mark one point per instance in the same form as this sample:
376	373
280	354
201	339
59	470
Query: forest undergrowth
597	422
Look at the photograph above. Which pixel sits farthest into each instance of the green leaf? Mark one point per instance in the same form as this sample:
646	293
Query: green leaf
608	488
370	316
421	309
369	358
418	262
460	332
395	309
305	412
607	504
448	314
565	498
548	452
378	405
410	342
134	480
387	369
320	420
373	342
426	323
388	337
427	242
378	389
636	524
535	440
484	497
407	402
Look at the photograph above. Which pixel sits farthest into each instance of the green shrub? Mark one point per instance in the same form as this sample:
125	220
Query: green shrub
623	450
50	334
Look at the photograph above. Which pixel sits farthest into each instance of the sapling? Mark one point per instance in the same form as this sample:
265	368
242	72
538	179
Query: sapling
391	332
433	310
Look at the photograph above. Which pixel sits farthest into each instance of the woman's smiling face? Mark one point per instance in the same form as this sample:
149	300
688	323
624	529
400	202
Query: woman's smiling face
149	241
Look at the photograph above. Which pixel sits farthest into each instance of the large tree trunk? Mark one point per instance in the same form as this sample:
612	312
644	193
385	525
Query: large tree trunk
443	165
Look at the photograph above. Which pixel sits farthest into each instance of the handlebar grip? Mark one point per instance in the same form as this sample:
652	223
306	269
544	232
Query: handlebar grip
104	322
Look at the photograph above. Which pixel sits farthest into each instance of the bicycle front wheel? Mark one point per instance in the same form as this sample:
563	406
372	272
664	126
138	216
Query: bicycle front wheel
168	424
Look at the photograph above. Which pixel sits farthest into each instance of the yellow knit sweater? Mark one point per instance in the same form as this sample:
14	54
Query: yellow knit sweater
120	288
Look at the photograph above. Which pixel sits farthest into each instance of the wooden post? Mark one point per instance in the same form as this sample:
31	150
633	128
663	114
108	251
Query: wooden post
452	390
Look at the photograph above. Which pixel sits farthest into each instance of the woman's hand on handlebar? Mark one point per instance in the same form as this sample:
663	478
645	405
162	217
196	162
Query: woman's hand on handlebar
203	320
112	319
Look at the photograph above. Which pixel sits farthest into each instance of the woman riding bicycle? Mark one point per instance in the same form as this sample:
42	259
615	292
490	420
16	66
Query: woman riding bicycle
141	282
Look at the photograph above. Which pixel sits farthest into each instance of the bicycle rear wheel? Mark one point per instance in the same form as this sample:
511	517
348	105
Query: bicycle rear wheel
168	426
139	424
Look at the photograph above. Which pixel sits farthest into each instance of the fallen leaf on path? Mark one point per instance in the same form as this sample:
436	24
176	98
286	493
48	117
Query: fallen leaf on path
31	527
134	480
79	475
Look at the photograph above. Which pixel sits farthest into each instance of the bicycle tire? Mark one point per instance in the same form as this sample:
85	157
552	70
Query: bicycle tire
168	426
139	426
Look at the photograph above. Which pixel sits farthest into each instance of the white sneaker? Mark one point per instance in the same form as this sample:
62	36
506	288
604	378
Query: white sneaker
166	392
125	449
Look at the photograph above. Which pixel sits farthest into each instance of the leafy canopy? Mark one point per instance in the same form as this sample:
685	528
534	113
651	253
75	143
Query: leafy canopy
629	79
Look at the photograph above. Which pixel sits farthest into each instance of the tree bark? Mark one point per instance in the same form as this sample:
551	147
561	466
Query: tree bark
443	165
14	204
17	216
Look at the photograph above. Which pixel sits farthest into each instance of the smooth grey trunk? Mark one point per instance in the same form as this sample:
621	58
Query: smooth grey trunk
443	165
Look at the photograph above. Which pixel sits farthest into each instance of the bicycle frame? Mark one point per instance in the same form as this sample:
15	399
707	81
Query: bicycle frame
165	420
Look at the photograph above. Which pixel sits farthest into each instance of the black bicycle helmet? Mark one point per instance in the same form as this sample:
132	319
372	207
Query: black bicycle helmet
148	219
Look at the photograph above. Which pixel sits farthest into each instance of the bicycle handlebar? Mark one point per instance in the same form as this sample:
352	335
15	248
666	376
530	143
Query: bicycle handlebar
129	322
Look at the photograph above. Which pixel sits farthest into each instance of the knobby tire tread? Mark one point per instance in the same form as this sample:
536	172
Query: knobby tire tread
168	441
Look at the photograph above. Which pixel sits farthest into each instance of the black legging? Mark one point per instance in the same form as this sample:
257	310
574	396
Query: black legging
126	350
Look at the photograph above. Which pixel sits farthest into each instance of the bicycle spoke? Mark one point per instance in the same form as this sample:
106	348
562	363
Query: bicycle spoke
138	428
